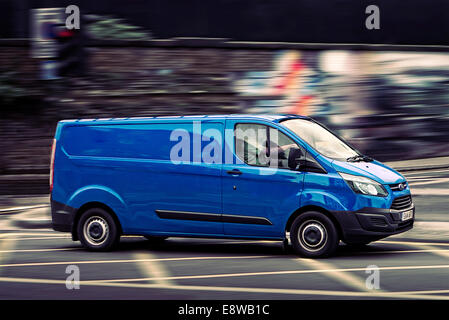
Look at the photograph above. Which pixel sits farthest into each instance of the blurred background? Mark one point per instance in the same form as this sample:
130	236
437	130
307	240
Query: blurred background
385	90
147	58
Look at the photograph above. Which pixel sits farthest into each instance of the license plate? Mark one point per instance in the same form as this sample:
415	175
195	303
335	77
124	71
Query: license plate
407	215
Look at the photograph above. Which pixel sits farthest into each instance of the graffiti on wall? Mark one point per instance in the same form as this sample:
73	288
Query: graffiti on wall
287	86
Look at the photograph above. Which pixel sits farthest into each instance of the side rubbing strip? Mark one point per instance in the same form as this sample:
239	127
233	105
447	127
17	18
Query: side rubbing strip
245	219
186	215
199	216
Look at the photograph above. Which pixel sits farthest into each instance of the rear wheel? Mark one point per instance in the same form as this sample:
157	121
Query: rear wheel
314	235
97	230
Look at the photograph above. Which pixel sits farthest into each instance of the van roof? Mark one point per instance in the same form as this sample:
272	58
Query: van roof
268	117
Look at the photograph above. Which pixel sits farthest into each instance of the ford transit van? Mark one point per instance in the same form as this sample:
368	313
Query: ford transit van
231	176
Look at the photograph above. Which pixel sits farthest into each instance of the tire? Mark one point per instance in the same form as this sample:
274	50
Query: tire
97	230
314	235
155	239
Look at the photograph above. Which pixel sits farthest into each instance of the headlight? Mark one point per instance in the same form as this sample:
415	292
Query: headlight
364	185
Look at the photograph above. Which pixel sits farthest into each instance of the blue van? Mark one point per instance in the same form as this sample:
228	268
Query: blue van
222	176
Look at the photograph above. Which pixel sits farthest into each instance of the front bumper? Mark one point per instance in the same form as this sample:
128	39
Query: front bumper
371	224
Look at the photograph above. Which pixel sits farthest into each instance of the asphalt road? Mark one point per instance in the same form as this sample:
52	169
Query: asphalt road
412	265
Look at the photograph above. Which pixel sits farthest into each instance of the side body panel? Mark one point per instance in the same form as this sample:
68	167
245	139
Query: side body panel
128	167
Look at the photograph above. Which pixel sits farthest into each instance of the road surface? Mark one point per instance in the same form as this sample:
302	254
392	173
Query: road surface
413	265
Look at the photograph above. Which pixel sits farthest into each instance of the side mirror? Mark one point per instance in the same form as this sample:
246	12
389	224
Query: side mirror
297	160
310	165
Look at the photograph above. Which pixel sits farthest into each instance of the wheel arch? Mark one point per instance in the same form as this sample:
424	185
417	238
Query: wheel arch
90	205
307	208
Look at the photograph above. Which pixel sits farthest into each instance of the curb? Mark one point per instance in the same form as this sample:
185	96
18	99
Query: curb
34	219
15	210
422	168
419	164
33	224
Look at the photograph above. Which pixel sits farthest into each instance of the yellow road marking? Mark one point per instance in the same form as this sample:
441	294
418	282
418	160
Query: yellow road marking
371	294
264	273
5	246
151	267
38	238
442	253
413	243
40	233
39	250
402	251
343	277
34	264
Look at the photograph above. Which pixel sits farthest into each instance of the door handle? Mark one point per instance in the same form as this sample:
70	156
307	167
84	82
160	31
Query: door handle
234	172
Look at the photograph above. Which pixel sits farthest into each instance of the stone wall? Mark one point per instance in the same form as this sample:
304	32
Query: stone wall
122	82
127	81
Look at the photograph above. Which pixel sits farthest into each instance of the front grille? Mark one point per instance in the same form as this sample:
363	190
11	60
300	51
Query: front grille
397	187
402	202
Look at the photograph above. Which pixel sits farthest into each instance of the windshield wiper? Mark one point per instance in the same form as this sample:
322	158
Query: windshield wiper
359	158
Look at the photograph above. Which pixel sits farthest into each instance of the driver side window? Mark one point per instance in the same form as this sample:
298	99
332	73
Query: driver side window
251	144
281	149
261	145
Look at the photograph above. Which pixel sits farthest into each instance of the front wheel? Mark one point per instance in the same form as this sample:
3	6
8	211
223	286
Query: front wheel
314	235
97	230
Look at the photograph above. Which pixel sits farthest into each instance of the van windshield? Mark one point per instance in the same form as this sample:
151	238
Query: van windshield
321	139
